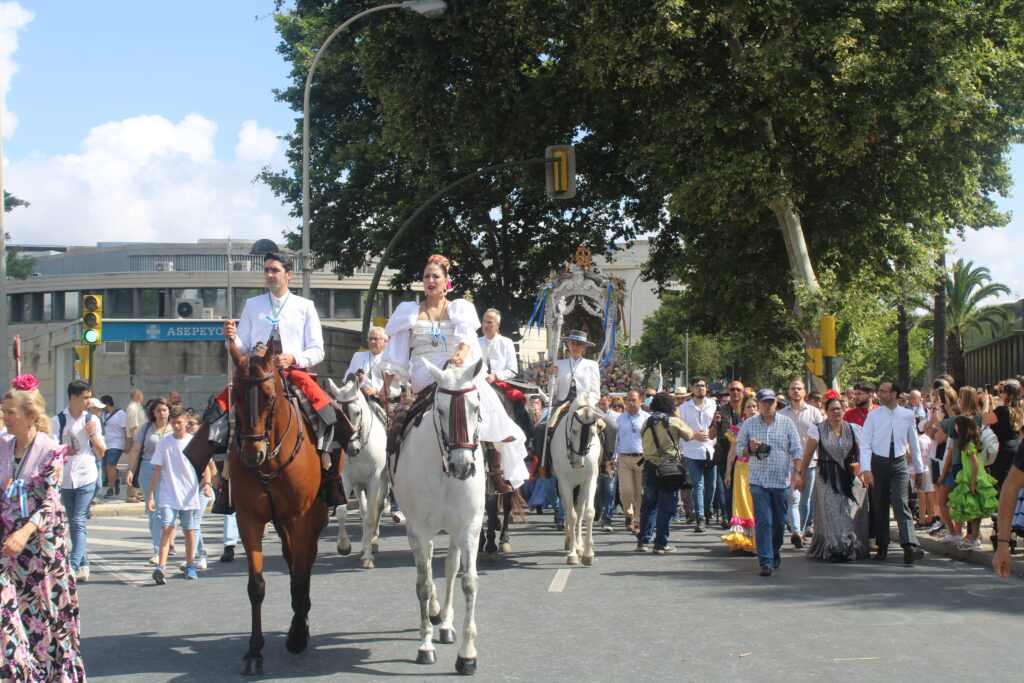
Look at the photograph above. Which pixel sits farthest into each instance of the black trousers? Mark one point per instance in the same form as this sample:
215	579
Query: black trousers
890	489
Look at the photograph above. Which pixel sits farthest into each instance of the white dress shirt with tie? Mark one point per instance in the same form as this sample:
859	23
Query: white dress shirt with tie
584	372
886	427
499	356
297	322
372	377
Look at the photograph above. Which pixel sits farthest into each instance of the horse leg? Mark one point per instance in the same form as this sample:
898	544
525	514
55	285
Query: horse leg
446	632
587	492
465	662
565	490
341	514
503	543
370	500
251	533
491	507
423	551
302	538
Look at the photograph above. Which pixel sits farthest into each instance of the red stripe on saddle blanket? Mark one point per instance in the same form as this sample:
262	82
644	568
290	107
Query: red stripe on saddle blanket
513	394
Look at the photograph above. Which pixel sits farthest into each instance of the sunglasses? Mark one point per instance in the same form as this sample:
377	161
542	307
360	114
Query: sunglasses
735	389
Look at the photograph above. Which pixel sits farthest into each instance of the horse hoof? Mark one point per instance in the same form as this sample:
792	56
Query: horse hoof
573	560
588	560
252	666
435	619
296	643
466	667
366	563
446	636
505	547
426	657
344	549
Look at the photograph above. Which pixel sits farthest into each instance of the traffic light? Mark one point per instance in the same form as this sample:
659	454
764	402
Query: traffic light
827	331
561	173
92	319
814	363
82	365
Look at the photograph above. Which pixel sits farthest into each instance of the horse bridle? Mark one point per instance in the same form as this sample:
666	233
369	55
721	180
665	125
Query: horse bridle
456	424
584	436
252	403
357	424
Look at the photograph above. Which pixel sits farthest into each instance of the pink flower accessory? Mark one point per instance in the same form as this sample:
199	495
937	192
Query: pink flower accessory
735	429
448	287
25	383
831	394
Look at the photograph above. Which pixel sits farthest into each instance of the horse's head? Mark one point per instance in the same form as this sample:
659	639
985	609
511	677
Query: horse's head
257	386
583	416
457	404
352	401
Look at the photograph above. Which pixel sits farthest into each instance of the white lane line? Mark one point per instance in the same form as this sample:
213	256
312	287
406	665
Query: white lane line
558	583
105	567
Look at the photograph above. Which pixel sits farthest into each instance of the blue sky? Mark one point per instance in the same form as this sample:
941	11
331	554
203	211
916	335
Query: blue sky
149	120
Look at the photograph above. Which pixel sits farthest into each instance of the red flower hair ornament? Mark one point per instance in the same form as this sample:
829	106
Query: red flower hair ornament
25	383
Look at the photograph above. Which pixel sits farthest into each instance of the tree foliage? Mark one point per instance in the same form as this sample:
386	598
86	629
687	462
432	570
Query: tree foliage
18	266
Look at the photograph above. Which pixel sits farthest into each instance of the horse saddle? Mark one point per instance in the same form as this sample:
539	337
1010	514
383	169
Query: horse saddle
403	422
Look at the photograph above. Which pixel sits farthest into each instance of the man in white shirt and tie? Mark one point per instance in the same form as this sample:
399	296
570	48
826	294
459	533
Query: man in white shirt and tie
497	350
888	433
365	366
698	452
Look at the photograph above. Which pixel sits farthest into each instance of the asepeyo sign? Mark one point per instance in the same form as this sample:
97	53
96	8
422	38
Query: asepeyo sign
174	330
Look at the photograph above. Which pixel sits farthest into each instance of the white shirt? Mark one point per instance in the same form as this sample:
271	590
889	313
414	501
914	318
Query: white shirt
372	376
79	470
113	429
135	415
884	426
584	372
179	487
298	325
804	420
629	438
699	420
499	356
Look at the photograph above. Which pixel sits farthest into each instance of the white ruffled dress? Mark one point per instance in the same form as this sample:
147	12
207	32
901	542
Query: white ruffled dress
410	340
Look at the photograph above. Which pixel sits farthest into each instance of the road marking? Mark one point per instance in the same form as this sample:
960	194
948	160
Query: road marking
138	545
558	583
104	566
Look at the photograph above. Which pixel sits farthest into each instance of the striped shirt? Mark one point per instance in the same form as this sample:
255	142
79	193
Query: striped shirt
774	471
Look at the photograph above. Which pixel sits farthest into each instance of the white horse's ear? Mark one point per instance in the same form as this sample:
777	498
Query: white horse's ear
333	388
433	369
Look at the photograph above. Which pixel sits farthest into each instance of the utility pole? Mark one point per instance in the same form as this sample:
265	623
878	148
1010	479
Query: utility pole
5	376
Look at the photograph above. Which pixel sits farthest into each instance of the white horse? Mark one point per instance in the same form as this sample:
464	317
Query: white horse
575	454
439	482
365	468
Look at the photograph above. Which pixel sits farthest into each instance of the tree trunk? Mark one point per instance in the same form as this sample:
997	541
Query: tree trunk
939	353
902	345
955	362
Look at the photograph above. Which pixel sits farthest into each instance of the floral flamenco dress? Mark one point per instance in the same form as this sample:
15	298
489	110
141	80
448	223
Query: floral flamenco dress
39	621
965	506
741	531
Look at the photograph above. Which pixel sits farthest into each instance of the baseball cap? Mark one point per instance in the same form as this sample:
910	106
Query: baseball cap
766	395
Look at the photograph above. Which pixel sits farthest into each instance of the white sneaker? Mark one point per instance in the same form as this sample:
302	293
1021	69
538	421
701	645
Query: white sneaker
83	574
398	517
969	544
951	539
201	562
155	559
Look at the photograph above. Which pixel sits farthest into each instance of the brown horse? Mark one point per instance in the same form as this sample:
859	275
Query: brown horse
275	477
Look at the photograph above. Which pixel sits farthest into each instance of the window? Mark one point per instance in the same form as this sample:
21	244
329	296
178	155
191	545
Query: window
72	305
57	312
381	305
240	294
215	298
322	301
16	305
151	303
119	303
346	304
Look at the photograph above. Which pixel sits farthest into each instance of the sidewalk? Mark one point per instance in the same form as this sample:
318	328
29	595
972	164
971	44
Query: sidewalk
981	557
118	508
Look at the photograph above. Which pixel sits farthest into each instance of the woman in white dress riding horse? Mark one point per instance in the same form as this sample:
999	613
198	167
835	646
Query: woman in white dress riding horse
445	331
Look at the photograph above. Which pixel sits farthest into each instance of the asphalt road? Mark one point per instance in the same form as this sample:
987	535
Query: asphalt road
702	614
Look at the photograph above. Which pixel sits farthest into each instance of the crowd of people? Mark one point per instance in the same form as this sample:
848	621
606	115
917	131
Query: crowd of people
828	469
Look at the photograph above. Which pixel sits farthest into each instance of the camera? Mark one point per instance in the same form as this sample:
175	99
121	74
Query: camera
763	451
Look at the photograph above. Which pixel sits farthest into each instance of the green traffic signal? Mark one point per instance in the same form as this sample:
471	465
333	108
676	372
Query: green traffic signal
90	336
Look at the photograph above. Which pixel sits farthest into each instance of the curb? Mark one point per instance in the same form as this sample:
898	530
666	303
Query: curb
982	558
118	510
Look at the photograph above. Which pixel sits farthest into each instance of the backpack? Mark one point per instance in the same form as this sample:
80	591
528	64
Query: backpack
62	418
670	476
989	447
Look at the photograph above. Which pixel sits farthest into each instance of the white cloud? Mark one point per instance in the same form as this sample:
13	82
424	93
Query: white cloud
255	143
145	179
997	249
13	18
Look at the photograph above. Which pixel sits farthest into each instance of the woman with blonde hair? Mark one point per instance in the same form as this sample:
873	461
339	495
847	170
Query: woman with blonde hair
39	638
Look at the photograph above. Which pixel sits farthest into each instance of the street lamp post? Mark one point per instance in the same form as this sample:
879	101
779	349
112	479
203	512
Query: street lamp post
431	9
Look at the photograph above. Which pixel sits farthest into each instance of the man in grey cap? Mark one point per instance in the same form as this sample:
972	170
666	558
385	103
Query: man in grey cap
772	443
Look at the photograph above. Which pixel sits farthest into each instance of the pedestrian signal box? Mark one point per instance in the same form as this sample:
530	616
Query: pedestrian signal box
561	171
82	361
92	319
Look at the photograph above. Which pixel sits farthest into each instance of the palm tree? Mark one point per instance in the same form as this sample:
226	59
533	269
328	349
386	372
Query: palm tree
967	286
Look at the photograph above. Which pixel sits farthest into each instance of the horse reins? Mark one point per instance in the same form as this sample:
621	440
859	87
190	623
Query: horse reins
252	401
584	436
458	428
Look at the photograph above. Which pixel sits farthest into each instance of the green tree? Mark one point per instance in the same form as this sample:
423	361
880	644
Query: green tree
967	287
20	267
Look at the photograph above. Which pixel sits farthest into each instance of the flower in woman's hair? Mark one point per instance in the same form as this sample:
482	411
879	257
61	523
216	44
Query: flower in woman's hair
448	287
831	394
437	258
25	383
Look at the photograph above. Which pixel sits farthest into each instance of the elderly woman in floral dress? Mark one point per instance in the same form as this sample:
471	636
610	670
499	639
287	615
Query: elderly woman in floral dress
38	604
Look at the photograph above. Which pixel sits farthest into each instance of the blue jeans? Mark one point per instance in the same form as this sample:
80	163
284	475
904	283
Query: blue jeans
703	479
656	510
799	504
770	507
724	496
604	501
230	530
155	525
76	506
554	500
